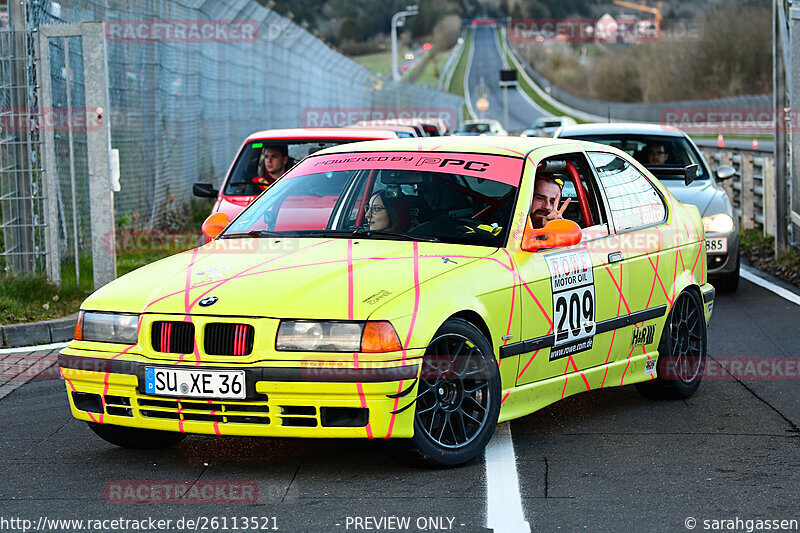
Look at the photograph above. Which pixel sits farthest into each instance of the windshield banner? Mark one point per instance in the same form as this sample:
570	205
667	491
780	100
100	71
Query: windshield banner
504	169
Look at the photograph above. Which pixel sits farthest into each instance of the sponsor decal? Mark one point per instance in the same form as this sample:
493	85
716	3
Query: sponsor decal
650	367
643	335
572	281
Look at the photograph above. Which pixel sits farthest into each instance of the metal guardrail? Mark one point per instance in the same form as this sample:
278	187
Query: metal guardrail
752	190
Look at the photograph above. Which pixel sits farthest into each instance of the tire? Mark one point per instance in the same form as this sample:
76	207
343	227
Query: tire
682	352
136	438
728	282
458	399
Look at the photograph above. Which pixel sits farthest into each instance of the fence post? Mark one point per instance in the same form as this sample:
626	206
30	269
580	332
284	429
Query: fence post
748	219
768	201
50	173
98	142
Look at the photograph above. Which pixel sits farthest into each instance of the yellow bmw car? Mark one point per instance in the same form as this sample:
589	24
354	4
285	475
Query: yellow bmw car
417	290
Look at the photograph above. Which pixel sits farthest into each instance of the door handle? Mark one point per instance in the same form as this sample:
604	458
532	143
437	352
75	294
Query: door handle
615	257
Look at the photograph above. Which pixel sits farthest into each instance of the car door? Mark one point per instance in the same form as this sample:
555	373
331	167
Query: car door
648	257
566	292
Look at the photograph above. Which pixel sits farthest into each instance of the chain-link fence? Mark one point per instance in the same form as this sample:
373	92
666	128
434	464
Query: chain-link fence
188	80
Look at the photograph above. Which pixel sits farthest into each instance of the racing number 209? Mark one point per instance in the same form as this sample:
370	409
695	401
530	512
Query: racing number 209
576	308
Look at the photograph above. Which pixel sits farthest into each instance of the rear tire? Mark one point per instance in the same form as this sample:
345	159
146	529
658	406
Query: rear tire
458	399
136	438
682	352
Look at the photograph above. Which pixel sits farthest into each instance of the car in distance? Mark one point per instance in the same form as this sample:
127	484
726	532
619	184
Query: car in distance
481	127
238	188
420	305
672	151
546	126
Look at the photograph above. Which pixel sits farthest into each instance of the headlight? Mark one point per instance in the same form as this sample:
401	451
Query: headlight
719	223
107	327
302	336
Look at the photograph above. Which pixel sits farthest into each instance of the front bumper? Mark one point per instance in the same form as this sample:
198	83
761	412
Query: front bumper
721	264
330	399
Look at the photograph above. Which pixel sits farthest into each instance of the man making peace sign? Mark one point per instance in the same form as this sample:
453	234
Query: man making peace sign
546	195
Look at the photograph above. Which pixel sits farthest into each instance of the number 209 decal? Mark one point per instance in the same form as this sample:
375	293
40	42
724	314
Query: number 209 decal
572	281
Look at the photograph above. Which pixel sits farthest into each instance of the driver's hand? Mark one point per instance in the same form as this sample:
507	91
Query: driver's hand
556	213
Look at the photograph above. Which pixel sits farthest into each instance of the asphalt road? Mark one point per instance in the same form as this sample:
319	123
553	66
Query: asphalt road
604	460
485	70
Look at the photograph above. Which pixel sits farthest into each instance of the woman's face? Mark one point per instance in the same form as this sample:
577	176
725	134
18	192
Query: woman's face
377	216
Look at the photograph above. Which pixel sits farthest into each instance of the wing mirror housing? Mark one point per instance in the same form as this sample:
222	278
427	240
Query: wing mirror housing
689	174
556	233
214	224
204	190
724	172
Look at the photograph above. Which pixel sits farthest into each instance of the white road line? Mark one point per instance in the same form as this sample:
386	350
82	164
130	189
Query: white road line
750	275
503	501
37	348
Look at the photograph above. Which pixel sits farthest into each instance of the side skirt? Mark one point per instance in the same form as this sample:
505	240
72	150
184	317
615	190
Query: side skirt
528	398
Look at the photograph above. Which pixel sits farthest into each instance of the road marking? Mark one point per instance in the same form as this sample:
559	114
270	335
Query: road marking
750	275
37	348
503	500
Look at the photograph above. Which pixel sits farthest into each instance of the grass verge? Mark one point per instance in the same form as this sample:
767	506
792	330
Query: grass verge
760	252
380	62
457	81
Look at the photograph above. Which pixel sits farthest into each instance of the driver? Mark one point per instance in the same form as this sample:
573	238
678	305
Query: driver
271	164
546	196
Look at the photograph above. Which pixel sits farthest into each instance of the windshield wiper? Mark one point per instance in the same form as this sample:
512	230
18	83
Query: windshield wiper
375	234
255	233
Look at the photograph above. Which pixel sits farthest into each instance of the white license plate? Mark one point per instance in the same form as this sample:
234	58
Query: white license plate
185	383
717	245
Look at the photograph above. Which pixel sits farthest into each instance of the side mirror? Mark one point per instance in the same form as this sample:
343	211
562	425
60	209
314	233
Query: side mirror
689	174
559	232
724	172
214	224
204	190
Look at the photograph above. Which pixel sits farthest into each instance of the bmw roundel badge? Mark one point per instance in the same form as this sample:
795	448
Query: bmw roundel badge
208	300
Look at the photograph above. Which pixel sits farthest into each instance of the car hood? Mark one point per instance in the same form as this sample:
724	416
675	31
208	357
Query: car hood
702	193
285	278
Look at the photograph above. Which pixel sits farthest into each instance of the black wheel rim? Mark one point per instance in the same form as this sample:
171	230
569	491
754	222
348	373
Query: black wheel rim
686	339
454	399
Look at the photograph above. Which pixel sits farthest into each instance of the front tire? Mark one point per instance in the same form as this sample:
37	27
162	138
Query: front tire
136	438
458	399
682	352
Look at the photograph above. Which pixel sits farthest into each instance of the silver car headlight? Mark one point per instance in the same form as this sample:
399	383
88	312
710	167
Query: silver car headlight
308	336
107	327
719	223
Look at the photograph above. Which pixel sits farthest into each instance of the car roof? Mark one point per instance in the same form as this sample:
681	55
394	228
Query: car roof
631	128
291	134
510	146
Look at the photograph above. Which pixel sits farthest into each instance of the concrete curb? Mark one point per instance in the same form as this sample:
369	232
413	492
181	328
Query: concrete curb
44	332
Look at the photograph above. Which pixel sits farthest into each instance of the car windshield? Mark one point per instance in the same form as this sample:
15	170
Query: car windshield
247	167
440	197
657	152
